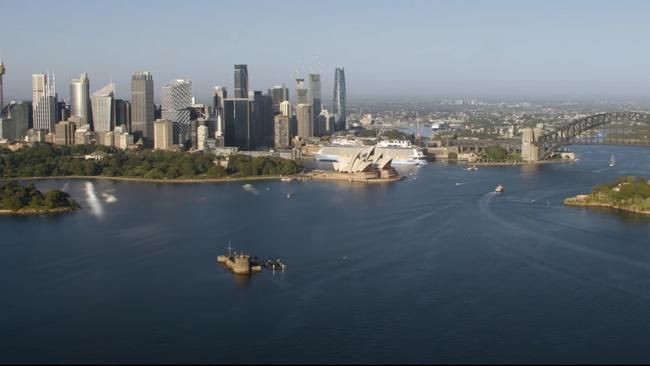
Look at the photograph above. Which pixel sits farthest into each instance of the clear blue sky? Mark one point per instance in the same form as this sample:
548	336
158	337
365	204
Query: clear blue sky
424	49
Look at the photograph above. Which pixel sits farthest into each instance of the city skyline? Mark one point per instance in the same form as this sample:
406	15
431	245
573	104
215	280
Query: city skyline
486	50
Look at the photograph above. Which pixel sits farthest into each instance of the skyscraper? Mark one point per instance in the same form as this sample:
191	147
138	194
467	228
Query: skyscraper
2	100
44	102
164	130
176	98
241	81
80	99
278	94
302	93
20	114
220	93
315	99
304	117
285	108
123	114
339	100
103	106
142	107
238	117
262	131
282	131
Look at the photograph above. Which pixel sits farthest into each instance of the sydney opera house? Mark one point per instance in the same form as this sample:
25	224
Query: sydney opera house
366	165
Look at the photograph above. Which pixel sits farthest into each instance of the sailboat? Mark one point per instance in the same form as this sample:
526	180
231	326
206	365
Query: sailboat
612	161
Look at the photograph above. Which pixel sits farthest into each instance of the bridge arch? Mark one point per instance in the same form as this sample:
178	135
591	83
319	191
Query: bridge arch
549	142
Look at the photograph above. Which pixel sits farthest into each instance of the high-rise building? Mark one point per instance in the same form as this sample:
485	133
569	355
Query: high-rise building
62	111
103	106
202	137
176	98
123	114
44	102
122	137
302	93
282	131
285	108
7	129
2	99
315	98
325	123
80	104
304	117
238	120
262	131
339	100
64	133
241	81
17	119
163	134
142	106
279	94
220	93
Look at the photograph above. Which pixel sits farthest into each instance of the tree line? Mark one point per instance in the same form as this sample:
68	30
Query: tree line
14	197
47	160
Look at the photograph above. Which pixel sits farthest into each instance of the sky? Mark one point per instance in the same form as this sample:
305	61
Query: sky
421	50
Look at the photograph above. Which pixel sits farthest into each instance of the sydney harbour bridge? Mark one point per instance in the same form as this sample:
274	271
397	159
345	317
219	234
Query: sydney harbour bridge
611	128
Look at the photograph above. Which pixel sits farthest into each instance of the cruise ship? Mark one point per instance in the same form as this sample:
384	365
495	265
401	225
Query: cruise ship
402	152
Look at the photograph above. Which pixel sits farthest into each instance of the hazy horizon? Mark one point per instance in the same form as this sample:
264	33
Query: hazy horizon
419	49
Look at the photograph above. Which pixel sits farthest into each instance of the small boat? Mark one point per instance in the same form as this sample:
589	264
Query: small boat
287	179
612	161
499	189
472	168
289	195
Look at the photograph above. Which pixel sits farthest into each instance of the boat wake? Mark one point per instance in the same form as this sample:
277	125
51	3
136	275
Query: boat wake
93	201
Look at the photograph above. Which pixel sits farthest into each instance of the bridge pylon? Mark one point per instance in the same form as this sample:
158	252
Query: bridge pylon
530	149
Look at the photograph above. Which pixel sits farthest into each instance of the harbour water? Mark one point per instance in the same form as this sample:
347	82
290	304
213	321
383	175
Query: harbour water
435	268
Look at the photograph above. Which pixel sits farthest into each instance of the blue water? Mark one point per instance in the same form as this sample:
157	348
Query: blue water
436	268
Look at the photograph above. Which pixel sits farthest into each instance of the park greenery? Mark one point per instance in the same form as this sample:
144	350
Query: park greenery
498	154
628	193
17	198
47	160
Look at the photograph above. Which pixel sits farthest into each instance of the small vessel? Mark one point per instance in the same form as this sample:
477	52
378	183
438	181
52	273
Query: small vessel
472	168
612	161
289	195
499	189
287	179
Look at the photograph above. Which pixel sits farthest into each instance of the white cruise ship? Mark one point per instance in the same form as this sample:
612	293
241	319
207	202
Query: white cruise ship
402	152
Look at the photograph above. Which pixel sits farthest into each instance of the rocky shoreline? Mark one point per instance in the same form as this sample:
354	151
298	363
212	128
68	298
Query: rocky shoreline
578	202
39	212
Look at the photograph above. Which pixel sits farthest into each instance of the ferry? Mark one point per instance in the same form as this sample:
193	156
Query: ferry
499	189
